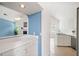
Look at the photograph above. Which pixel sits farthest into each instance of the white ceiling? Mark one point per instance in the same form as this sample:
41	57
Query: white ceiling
30	7
60	9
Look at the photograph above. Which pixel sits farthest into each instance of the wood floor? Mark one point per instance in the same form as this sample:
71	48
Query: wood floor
63	51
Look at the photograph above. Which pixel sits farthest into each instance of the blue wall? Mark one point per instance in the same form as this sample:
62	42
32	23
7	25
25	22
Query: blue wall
6	28
35	26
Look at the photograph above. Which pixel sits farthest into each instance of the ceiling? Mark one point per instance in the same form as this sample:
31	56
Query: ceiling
30	7
60	9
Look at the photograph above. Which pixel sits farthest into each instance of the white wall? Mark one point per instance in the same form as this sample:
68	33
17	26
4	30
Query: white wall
65	12
54	26
45	33
47	20
11	15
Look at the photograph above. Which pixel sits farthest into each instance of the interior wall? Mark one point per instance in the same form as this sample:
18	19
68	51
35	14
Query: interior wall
54	26
65	12
45	33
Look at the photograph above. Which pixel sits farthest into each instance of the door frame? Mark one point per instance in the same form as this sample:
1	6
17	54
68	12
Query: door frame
77	33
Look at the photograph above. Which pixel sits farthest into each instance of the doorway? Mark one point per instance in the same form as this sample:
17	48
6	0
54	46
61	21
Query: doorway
61	44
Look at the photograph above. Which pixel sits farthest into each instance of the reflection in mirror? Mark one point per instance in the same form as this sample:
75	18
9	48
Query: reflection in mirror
12	22
7	28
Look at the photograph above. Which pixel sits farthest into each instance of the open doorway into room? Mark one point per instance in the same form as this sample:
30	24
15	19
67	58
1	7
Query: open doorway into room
63	38
61	44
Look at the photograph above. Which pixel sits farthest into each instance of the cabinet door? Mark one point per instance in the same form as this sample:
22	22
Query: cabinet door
64	40
19	51
31	51
28	49
73	42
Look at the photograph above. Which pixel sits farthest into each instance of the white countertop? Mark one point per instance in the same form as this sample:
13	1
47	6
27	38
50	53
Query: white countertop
11	36
66	34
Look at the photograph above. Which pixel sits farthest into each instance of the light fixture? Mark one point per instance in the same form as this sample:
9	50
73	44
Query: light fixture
22	6
17	18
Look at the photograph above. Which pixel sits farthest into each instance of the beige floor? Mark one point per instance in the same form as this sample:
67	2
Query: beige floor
64	51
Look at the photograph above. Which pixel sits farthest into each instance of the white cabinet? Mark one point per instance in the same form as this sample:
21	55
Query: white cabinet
64	40
27	48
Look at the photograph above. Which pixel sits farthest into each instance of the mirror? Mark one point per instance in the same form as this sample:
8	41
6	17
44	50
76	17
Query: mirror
12	22
7	28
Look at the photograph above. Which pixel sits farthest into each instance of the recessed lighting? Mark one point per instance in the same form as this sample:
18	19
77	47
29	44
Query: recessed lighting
22	6
18	18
